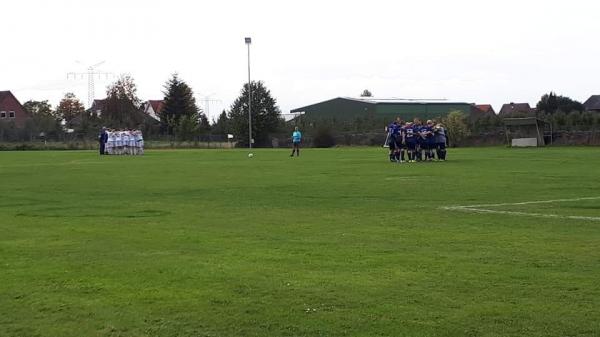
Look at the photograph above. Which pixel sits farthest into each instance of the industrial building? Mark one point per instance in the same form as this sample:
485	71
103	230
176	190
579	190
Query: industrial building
346	108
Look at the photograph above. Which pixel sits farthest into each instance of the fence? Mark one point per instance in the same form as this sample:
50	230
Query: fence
497	138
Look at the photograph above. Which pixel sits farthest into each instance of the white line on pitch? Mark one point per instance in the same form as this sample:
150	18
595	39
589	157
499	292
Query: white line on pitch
479	209
529	202
537	215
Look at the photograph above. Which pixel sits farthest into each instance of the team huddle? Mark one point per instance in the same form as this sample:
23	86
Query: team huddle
123	142
418	142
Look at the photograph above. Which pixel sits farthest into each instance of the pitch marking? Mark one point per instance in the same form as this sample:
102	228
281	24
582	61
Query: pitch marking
484	209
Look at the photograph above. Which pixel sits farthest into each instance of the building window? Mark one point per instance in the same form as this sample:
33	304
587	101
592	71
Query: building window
11	114
2	114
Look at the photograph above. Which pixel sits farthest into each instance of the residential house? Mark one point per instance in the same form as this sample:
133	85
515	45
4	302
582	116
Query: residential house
11	109
482	110
592	104
486	109
97	107
511	109
153	108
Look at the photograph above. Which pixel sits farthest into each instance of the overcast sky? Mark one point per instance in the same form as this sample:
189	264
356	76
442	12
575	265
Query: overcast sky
307	51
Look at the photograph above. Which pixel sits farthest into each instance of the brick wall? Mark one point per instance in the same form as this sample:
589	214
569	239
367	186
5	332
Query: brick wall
10	104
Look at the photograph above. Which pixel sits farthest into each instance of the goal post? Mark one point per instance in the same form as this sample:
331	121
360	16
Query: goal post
526	132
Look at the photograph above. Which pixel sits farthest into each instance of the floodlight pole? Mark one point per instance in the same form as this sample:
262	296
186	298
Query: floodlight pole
248	42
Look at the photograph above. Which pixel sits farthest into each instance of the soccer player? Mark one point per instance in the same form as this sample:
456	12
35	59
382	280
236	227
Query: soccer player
141	141
441	139
118	143
428	139
419	147
109	144
125	140
132	142
410	139
112	140
401	141
393	131
296	139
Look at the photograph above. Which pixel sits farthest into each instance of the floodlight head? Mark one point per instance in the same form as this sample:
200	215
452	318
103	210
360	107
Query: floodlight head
248	40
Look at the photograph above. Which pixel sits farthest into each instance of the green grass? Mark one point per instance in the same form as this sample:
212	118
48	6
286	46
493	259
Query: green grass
338	242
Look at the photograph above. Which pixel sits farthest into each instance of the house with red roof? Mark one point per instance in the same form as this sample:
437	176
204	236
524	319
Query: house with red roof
482	110
11	110
486	109
153	108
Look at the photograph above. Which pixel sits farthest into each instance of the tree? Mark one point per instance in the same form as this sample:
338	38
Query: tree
221	126
203	124
587	120
186	128
551	103
122	106
366	93
69	108
36	108
574	120
559	119
457	126
179	103
266	115
43	120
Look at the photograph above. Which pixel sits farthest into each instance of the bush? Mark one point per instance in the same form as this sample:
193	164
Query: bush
587	121
574	119
457	127
560	120
324	137
187	128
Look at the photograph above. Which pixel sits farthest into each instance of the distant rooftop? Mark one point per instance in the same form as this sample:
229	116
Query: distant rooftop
386	101
376	100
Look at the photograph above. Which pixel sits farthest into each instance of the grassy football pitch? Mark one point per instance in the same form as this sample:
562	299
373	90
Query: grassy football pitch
338	242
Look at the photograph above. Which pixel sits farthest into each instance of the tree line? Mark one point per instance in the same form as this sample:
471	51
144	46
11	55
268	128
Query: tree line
180	118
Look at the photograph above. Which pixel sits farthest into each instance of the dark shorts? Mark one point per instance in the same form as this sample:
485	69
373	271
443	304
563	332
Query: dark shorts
411	146
296	144
441	146
393	143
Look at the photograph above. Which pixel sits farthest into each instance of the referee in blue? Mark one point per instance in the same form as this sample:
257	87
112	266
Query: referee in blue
296	139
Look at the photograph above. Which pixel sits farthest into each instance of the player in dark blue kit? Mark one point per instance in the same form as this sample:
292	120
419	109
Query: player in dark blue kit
415	142
410	140
428	141
393	131
401	140
419	148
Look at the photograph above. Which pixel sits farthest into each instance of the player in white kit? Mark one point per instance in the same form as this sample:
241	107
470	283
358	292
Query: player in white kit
140	141
109	142
132	142
118	143
125	140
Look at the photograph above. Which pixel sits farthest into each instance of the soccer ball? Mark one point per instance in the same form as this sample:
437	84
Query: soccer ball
250	155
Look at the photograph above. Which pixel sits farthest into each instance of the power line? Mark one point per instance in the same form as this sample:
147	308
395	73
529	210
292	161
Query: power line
91	74
207	100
